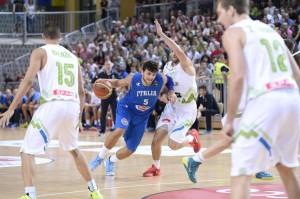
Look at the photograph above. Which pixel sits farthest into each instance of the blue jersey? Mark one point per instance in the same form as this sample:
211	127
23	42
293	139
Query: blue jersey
141	99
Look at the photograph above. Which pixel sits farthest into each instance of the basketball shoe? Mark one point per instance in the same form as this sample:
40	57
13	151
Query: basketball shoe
95	163
25	197
109	167
195	143
264	175
152	171
96	195
191	167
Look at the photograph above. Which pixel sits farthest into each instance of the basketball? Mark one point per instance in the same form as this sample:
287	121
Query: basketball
102	88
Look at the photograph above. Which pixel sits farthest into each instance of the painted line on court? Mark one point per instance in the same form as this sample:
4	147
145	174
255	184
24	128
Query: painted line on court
143	185
130	186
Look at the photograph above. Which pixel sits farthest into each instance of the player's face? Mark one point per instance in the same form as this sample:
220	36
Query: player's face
148	77
224	16
174	58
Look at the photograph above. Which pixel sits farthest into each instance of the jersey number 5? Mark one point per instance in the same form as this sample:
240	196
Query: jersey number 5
273	48
65	74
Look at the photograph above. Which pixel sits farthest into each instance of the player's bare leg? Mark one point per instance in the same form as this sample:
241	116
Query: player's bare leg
159	136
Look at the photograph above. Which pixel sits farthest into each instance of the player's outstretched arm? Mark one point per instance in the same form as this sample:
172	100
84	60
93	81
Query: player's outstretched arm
35	65
117	83
184	60
234	49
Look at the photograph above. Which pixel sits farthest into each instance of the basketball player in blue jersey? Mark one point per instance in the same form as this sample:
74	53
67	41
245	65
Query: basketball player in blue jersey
133	111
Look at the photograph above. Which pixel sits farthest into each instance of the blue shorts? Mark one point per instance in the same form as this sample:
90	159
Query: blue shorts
134	125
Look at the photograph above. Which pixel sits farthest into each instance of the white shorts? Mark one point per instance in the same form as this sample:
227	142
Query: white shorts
55	119
268	133
178	119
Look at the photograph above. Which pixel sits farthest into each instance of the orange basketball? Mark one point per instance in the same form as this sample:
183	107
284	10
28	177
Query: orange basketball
102	88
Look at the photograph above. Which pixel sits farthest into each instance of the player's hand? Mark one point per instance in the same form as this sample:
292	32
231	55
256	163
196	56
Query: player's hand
158	28
5	117
199	114
227	130
172	97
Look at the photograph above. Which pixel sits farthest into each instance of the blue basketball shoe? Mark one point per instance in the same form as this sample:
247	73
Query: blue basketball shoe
191	167
110	167
95	163
264	175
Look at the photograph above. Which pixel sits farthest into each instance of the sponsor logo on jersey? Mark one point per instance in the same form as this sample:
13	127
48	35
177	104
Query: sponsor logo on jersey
124	121
142	108
285	83
62	92
155	83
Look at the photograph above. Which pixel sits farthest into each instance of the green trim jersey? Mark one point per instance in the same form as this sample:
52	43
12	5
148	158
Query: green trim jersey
185	85
266	55
58	79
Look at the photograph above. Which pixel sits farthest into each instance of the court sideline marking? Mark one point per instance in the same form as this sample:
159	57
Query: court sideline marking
130	186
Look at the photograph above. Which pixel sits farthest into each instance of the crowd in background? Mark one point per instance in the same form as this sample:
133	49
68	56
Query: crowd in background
122	51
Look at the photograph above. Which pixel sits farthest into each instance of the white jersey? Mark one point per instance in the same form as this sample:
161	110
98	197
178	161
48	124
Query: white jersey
58	80
185	85
268	67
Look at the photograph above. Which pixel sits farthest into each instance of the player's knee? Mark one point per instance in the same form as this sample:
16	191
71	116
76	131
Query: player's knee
75	152
173	144
130	151
118	132
159	136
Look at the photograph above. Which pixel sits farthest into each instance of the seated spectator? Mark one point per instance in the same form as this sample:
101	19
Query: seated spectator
207	107
91	110
30	106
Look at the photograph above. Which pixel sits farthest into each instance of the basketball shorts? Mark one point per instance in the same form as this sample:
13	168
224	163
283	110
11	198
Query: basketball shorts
178	119
54	119
133	124
267	133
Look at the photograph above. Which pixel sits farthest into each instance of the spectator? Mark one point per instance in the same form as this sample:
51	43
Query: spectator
3	6
18	7
207	107
104	5
29	107
107	72
91	110
30	9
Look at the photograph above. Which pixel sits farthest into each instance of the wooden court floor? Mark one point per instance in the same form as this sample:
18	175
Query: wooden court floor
60	180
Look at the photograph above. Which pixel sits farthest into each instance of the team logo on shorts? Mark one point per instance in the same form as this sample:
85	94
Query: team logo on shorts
124	121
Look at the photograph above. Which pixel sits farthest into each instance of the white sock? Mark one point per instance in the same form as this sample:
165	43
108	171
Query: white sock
189	138
103	151
88	122
198	157
113	158
156	163
92	185
31	192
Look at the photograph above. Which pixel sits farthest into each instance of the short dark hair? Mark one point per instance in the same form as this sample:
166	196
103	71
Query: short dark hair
241	6
290	44
203	87
150	65
51	31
